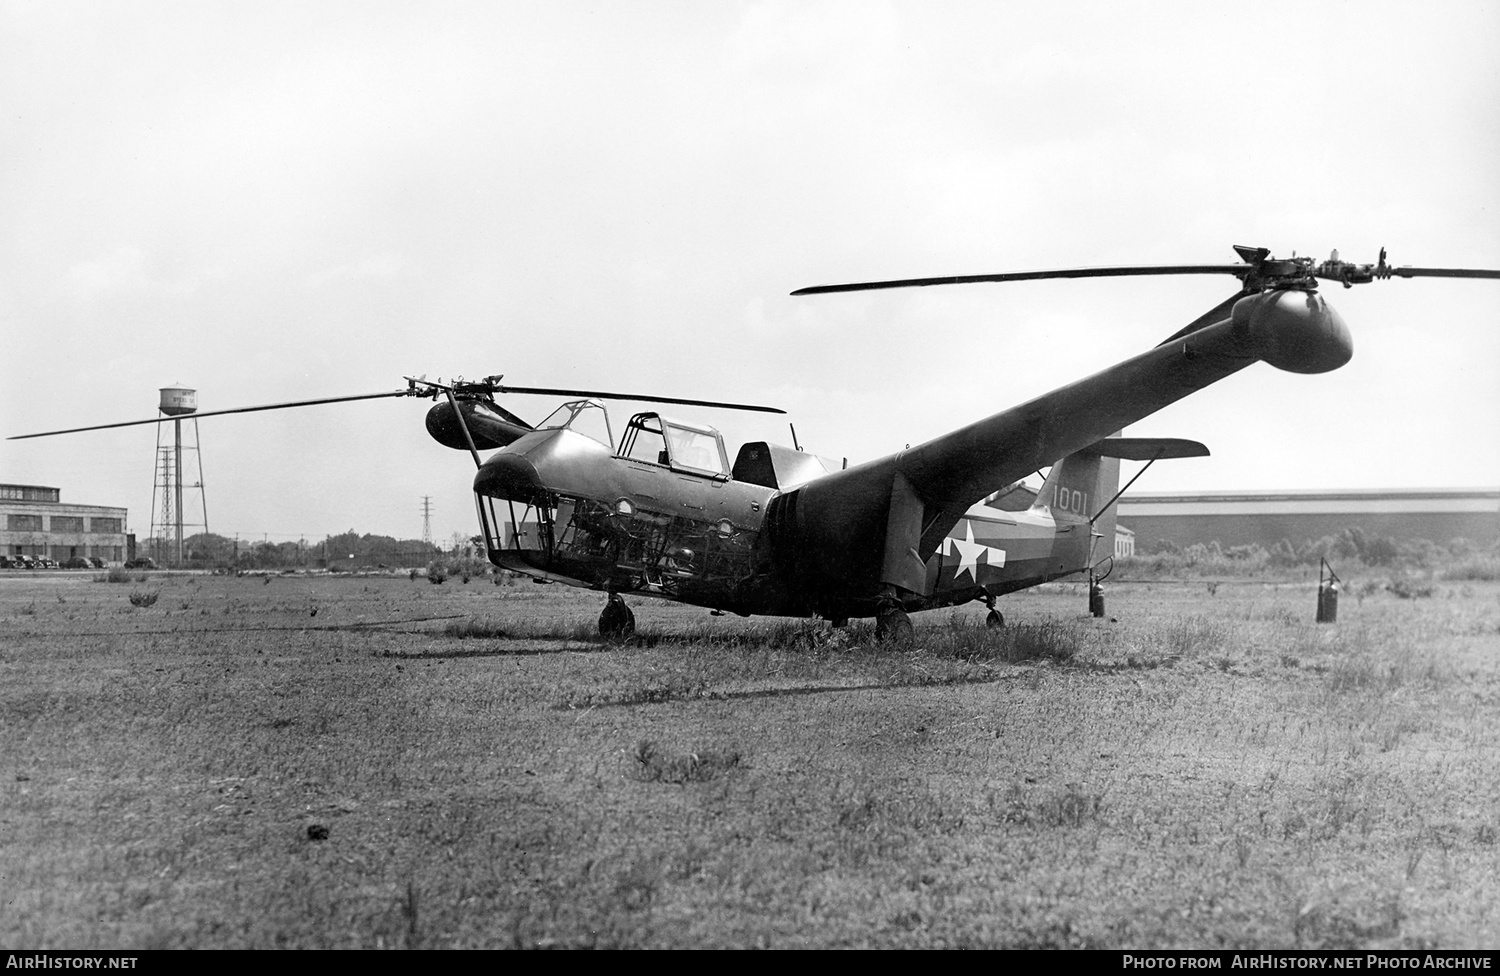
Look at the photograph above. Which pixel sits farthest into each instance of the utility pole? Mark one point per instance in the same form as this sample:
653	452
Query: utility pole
427	520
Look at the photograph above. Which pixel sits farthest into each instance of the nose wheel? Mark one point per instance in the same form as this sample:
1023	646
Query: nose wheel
616	620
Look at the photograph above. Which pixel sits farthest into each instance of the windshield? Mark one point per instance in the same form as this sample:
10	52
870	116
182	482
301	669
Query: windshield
695	449
587	417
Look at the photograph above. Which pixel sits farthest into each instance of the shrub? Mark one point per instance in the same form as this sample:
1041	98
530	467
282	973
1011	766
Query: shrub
1380	551
1070	806
1408	589
1283	554
1475	568
436	573
651	765
140	598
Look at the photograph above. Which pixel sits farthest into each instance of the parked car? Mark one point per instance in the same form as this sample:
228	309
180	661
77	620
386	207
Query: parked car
77	562
96	562
145	562
44	562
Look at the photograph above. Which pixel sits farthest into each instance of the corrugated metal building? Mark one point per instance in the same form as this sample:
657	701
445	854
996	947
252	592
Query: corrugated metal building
1265	518
34	521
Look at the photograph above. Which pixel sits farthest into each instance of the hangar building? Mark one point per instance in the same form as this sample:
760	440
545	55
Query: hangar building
1236	518
35	522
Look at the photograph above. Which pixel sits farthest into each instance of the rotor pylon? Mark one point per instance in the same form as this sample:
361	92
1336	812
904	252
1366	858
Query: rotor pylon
171	487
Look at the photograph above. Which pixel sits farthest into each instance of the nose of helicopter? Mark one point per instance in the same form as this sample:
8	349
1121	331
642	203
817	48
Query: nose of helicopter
511	476
544	463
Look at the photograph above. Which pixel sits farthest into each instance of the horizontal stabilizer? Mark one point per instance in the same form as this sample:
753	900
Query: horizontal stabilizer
1146	448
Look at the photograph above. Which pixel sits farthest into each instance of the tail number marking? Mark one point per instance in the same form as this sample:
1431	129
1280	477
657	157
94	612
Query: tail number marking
1070	500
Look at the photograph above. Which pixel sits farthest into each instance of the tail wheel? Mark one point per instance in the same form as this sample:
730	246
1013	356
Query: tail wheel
994	620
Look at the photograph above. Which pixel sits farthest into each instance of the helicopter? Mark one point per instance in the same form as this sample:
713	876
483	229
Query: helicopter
657	508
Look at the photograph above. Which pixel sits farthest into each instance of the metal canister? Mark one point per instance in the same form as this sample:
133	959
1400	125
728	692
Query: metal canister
1328	593
1328	602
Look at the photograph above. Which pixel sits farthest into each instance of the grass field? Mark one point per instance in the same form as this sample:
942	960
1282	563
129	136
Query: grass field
382	762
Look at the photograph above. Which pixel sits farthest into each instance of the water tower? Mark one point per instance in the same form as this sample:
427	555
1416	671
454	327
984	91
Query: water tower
168	505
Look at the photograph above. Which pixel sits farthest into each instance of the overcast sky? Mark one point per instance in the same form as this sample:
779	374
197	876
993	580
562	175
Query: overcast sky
278	201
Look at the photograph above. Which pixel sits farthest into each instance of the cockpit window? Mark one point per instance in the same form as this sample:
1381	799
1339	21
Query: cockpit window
650	437
587	417
695	449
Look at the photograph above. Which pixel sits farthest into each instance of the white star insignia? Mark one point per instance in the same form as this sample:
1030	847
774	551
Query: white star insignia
969	551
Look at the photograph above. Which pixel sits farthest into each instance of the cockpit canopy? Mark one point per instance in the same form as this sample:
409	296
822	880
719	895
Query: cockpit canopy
649	437
693	448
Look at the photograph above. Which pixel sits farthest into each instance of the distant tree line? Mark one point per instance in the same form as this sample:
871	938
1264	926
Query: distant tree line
346	551
1352	547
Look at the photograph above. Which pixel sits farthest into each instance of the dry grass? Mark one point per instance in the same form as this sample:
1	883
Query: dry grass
1211	770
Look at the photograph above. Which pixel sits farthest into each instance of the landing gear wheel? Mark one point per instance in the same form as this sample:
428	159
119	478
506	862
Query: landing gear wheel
616	621
892	624
994	620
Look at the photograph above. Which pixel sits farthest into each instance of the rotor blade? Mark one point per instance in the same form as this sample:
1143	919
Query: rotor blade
1239	270
547	391
1407	272
215	413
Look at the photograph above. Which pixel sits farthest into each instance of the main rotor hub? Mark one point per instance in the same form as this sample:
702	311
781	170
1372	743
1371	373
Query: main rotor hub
1303	273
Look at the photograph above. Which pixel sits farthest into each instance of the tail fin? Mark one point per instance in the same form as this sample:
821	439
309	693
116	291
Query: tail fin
1076	489
1082	487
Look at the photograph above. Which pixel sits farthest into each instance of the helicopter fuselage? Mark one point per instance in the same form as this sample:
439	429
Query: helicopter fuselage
560	505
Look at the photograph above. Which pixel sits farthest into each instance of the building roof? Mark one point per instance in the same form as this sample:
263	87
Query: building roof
29	493
1312	502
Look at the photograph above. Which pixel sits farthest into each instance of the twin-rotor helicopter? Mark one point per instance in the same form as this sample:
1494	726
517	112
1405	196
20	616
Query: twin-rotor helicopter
656	507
